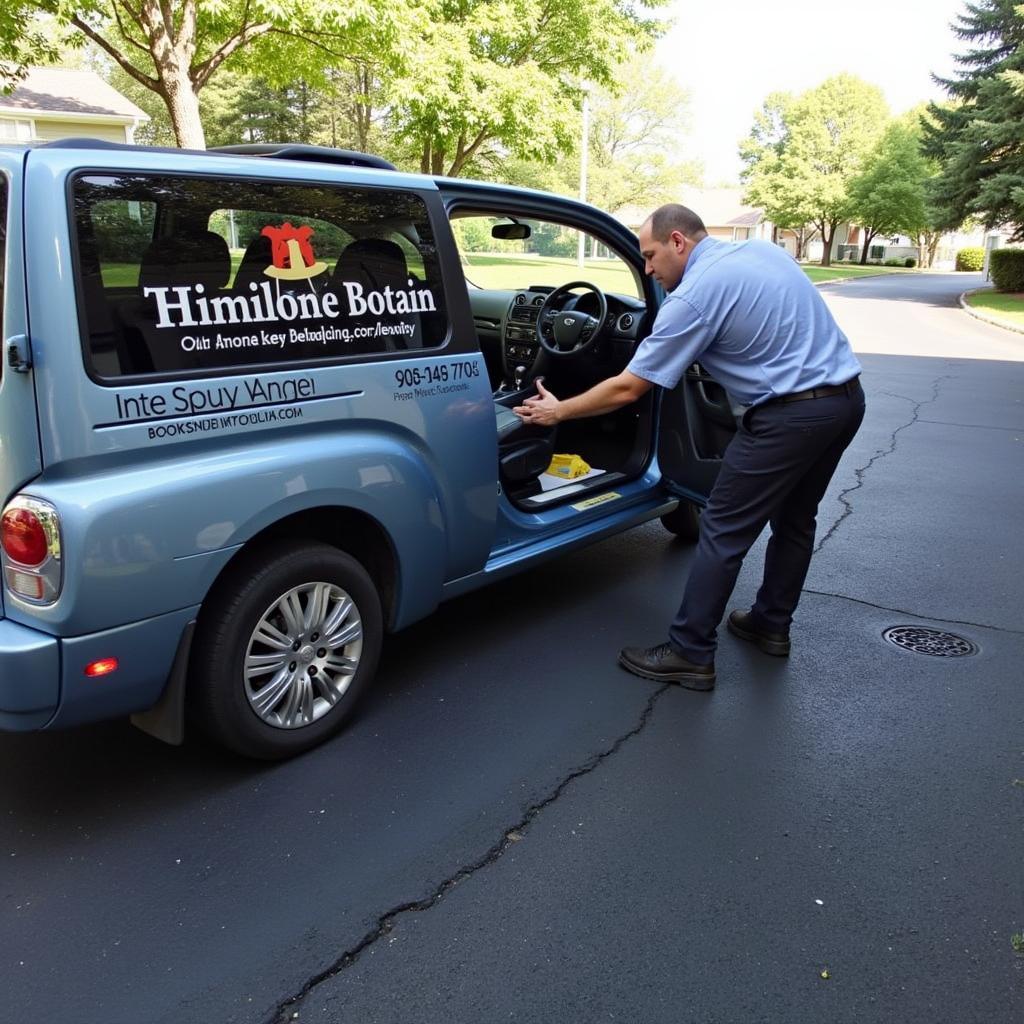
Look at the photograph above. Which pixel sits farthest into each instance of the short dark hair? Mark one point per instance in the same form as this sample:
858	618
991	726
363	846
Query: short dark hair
675	217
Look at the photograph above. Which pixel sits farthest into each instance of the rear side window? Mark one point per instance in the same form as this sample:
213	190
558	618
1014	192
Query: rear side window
179	274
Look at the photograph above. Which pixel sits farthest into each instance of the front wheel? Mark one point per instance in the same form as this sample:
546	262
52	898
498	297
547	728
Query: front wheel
285	645
683	521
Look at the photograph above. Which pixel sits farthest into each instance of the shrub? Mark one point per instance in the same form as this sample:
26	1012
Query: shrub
1007	269
910	262
972	258
894	263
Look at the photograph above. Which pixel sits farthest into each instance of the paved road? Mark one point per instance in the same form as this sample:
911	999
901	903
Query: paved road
517	830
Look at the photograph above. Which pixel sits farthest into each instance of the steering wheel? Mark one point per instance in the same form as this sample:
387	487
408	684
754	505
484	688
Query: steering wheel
569	332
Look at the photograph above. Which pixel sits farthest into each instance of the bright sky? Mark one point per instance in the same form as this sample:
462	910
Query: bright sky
730	54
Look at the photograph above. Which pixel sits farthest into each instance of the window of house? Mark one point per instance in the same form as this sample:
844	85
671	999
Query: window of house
15	130
180	274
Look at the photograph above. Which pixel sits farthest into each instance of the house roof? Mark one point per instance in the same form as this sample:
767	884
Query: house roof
717	207
66	91
721	207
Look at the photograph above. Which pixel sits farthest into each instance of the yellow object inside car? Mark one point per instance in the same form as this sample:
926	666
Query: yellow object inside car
569	467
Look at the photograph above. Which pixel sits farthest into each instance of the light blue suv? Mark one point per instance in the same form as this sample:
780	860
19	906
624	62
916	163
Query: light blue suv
255	415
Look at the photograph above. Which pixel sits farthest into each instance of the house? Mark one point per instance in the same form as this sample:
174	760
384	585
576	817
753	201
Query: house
722	209
725	215
60	103
848	243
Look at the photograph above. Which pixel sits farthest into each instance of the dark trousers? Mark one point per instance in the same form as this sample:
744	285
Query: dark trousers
775	470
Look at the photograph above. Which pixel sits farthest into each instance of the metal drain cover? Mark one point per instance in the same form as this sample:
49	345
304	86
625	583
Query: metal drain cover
922	640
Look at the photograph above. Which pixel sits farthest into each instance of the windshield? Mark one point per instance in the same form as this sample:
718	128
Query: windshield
550	257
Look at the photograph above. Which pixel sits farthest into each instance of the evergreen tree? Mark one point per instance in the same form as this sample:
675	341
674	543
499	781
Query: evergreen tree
979	139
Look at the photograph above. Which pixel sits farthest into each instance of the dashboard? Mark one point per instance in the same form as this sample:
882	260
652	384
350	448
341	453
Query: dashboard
506	324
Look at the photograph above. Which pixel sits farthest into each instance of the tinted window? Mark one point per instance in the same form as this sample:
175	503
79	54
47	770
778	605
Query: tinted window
182	274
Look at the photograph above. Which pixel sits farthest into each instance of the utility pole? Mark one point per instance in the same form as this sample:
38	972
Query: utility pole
584	146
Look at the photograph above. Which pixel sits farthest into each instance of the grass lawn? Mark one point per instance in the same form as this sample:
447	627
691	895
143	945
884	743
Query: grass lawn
126	275
1007	306
819	274
512	270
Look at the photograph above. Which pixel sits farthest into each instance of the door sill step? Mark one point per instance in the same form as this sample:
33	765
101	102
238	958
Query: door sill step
570	489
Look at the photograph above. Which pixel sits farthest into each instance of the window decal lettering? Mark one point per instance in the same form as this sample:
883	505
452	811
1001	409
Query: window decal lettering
183	274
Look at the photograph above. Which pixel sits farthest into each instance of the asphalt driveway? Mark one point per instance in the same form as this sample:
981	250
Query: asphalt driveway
515	829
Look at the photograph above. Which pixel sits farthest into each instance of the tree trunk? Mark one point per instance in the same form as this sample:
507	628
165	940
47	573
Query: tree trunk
868	236
826	241
183	104
364	109
431	160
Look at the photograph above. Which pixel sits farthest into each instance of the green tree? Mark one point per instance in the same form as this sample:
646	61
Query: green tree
804	152
174	47
888	196
929	232
636	136
979	139
636	139
506	76
771	183
355	108
239	108
25	38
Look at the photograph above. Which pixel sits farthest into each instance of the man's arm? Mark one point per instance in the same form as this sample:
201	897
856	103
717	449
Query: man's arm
612	393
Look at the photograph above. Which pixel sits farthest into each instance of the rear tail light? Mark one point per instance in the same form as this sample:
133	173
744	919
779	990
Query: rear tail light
30	543
23	536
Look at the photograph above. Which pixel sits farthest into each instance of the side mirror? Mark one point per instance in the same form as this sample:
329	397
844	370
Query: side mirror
511	232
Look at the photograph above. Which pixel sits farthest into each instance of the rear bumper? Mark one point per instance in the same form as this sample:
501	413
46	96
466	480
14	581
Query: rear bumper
29	677
43	681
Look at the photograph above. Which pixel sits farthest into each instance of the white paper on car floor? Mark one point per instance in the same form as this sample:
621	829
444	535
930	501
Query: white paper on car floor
549	482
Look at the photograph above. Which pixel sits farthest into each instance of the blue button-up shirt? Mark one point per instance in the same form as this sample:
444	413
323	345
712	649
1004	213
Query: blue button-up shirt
752	318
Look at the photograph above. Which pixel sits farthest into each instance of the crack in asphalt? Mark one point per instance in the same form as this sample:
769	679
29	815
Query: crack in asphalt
915	615
973	426
287	1010
880	453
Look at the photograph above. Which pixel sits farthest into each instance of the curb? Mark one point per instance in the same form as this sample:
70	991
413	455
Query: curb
995	321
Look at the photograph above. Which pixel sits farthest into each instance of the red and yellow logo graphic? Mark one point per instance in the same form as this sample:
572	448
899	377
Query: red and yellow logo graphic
291	252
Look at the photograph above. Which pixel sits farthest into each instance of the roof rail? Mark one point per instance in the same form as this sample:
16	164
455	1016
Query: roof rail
84	142
277	150
295	151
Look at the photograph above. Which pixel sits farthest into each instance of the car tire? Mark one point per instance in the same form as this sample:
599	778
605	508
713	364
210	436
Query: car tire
683	521
286	642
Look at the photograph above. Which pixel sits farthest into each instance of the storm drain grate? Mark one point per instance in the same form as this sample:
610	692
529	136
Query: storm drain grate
922	640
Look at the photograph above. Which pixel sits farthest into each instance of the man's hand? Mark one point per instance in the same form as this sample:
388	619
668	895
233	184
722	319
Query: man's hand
606	396
540	410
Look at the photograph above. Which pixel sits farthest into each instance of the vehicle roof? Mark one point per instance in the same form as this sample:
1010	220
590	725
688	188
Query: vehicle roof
279	158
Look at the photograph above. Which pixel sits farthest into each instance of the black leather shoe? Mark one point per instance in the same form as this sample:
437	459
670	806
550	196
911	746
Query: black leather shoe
664	665
741	624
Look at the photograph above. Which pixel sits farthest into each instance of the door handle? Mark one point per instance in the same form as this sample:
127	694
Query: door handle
19	363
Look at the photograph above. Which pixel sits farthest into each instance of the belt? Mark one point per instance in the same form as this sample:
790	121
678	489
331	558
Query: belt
850	387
